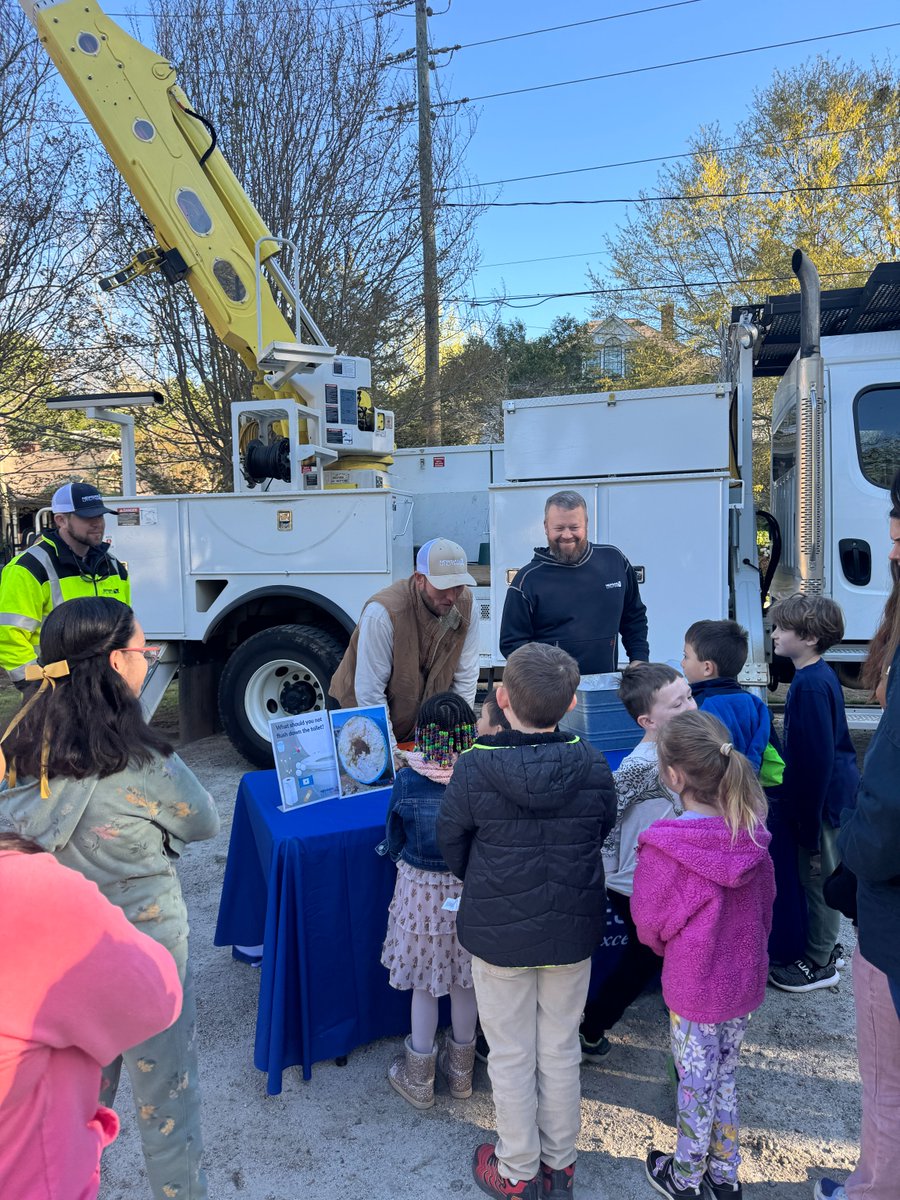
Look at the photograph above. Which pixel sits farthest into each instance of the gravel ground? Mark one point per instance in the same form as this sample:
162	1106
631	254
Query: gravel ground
347	1133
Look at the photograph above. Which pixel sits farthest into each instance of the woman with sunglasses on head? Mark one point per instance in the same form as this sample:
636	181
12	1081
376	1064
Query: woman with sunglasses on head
91	782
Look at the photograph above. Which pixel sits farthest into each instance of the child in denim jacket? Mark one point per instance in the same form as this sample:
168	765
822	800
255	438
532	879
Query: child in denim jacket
421	950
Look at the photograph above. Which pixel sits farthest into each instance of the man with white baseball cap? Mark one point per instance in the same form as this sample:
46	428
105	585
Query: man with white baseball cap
71	561
414	639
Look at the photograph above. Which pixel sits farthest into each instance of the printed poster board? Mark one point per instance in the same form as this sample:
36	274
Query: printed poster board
322	755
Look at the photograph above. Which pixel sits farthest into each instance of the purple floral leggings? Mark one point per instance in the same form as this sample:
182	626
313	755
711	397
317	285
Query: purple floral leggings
706	1058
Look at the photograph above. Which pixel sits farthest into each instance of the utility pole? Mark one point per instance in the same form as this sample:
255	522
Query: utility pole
430	293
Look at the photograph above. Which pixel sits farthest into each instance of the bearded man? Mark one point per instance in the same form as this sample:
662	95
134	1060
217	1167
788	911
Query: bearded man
576	595
414	639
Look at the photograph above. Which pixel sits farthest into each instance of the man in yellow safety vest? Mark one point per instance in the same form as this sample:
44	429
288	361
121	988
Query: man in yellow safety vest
72	561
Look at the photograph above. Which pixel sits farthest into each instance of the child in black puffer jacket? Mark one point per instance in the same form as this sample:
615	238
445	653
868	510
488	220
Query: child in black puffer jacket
522	823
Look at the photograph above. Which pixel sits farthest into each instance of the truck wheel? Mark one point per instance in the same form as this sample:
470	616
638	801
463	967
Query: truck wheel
848	674
280	672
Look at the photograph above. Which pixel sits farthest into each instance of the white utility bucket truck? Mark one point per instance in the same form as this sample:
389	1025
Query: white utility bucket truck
255	593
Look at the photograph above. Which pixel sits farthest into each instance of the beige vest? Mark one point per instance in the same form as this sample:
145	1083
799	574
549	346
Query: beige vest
426	654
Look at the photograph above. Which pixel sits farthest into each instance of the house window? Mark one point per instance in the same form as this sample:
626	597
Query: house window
612	358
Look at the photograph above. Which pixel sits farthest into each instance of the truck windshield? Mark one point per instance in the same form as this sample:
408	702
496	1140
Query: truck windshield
876	417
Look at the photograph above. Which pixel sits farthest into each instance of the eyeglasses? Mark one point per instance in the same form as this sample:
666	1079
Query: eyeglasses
150	653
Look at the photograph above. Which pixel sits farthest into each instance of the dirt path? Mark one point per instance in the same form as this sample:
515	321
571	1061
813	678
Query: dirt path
345	1133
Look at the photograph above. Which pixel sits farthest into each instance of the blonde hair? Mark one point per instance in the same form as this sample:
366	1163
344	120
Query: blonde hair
699	745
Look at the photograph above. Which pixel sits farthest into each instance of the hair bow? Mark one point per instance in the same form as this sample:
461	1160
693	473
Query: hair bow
48	675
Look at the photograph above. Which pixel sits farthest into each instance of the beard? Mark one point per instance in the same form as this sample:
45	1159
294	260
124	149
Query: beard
568	554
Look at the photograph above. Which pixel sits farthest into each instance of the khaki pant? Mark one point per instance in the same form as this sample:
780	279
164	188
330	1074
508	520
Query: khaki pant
530	1017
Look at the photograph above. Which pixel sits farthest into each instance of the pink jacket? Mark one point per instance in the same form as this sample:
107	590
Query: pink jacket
78	985
705	905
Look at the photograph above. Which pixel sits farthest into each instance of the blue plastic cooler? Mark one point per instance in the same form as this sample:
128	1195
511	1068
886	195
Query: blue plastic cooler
600	717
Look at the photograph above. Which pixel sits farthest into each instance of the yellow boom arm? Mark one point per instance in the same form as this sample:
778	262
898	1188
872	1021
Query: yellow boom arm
207	228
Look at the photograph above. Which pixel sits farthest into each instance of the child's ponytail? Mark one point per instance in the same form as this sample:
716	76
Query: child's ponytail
743	801
699	745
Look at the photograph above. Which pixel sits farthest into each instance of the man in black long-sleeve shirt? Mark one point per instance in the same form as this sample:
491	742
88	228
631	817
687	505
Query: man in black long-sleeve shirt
576	595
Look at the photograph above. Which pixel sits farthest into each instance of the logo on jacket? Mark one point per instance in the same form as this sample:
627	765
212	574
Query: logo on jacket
618	583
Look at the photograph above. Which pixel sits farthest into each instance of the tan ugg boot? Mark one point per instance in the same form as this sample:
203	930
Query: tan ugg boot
456	1061
412	1075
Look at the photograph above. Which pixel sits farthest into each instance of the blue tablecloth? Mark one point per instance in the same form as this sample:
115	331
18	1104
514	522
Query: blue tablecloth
309	885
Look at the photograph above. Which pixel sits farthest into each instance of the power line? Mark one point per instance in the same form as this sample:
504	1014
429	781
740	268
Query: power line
264	12
517	262
681	62
637	162
698	197
542	297
510	37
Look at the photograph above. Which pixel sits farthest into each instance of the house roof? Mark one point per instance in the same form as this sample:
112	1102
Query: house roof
626	328
33	475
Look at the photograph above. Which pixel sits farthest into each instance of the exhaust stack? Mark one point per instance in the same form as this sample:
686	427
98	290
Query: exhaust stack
810	431
810	303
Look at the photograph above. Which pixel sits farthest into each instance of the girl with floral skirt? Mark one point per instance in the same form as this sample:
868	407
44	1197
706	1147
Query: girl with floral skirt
420	950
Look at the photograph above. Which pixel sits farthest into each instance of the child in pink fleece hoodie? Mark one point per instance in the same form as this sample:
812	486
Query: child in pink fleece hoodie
78	985
703	894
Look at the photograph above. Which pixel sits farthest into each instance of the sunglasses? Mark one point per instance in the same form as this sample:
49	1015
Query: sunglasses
150	653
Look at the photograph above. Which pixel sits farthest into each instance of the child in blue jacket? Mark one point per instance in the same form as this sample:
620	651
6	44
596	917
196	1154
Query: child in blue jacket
714	654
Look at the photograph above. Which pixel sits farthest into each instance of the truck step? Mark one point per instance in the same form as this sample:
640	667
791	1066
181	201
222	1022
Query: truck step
863	717
159	677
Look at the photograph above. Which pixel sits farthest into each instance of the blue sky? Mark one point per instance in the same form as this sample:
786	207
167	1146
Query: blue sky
611	120
606	121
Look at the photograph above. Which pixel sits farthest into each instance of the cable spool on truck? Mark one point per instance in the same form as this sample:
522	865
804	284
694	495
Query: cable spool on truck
257	591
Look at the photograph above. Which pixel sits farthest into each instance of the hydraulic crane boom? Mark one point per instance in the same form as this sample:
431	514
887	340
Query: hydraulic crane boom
208	232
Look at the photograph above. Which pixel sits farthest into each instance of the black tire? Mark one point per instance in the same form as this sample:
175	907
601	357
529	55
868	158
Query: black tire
281	671
848	674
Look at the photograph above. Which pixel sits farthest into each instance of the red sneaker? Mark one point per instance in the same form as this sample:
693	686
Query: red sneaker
558	1184
486	1171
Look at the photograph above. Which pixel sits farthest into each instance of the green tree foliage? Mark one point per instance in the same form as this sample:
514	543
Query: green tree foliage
478	373
819	155
815	164
556	363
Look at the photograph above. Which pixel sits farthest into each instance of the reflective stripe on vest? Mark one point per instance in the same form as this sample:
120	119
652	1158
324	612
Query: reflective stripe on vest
20	622
41	555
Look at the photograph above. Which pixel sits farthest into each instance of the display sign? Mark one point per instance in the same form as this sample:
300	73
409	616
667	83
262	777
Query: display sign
322	755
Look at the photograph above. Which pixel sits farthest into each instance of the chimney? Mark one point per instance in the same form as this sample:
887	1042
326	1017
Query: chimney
667	321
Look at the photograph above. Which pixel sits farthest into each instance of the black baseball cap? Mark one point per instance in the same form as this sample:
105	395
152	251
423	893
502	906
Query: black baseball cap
82	499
